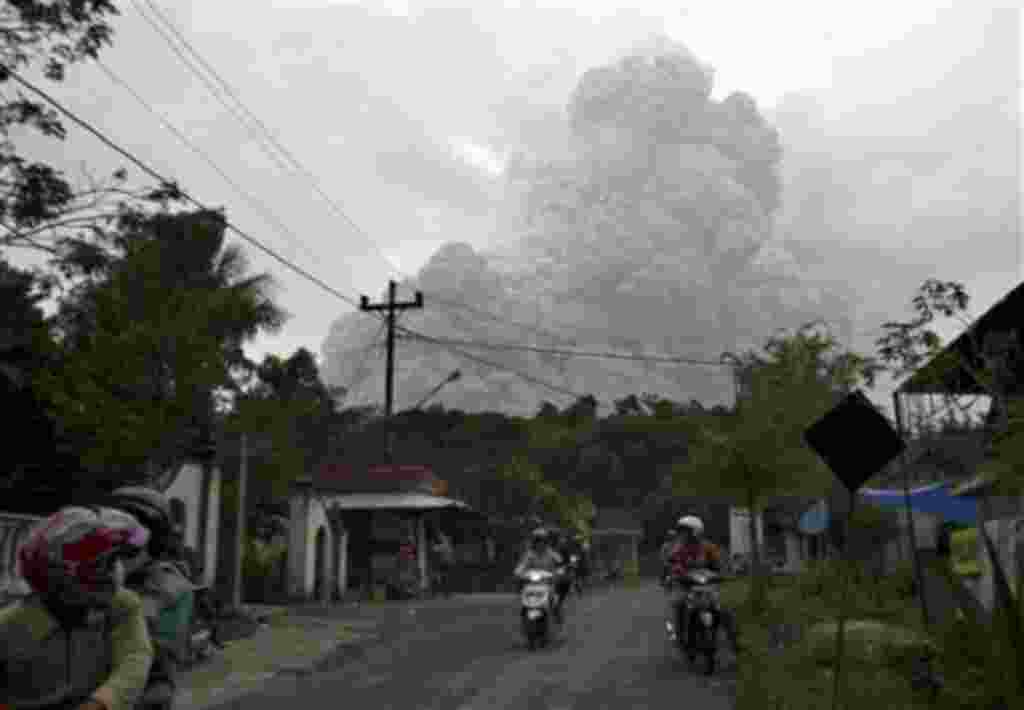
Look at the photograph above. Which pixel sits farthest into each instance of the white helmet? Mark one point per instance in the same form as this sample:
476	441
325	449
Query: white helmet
692	522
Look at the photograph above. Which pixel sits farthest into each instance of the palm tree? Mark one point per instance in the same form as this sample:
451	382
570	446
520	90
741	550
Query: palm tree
151	340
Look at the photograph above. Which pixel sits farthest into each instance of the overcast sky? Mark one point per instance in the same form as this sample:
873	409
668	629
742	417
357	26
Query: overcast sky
402	111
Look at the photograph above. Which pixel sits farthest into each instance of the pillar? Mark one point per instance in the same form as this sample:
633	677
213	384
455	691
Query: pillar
339	553
298	538
421	550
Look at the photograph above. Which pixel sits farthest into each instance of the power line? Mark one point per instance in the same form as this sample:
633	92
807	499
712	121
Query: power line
497	366
568	353
217	92
253	202
268	137
127	155
356	382
225	88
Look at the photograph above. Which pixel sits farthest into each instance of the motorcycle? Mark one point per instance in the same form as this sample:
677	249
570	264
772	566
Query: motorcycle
538	600
200	645
698	617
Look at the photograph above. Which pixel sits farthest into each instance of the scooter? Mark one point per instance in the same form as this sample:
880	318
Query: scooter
538	600
698	617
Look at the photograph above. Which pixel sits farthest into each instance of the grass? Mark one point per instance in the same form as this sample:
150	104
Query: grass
799	676
246	663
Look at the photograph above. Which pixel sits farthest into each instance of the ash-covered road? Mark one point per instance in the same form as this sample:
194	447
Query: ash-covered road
466	653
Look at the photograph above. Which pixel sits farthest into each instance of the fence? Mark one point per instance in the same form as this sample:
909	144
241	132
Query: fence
13	529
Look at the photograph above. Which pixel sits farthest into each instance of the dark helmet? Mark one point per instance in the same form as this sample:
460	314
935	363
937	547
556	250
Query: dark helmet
150	507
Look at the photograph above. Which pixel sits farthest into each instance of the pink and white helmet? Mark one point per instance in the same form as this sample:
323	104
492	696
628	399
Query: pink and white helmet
74	555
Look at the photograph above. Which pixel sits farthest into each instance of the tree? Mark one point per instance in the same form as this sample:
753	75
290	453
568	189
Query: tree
150	338
287	414
40	208
992	363
37	458
756	453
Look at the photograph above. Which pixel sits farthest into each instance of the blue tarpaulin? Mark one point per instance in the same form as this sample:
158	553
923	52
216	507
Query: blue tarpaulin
936	499
815	520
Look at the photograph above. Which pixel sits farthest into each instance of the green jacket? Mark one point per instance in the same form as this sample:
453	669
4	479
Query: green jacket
106	659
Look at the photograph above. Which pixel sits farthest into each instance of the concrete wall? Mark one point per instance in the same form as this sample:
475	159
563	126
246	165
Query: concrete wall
187	488
739	532
307	518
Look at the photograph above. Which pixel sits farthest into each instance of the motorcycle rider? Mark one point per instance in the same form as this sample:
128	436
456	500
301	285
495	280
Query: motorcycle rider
541	556
79	641
666	551
689	551
579	547
167	593
565	547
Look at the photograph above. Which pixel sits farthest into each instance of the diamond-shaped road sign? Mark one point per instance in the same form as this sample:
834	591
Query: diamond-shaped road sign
855	440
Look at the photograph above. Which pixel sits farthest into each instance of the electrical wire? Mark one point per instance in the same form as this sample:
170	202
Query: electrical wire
223	88
256	204
130	157
409	333
356	382
523	376
268	137
126	154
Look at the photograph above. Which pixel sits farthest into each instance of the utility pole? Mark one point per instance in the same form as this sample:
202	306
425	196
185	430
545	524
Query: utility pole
243	475
392	307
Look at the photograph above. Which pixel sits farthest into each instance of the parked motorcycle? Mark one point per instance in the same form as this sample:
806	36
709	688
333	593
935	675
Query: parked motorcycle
538	600
698	617
200	645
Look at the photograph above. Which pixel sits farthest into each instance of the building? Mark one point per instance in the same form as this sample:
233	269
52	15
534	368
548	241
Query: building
194	491
349	523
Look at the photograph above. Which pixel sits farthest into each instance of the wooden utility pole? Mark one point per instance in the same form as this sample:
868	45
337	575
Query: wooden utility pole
392	307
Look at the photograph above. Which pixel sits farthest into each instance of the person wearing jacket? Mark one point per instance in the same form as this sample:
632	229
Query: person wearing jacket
168	595
79	641
690	552
541	556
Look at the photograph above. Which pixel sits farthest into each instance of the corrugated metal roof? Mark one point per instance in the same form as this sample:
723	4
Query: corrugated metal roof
394	501
380	478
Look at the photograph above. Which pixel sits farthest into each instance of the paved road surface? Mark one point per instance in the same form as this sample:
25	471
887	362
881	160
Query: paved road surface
466	653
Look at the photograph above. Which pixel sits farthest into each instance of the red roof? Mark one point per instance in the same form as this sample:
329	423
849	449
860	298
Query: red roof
381	478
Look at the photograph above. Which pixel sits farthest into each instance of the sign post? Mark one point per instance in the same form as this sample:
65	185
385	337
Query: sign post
855	441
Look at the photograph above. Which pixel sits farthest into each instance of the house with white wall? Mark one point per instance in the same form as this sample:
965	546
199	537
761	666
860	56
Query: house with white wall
194	491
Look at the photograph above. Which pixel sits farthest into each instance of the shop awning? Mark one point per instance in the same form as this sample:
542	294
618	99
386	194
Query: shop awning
936	499
394	501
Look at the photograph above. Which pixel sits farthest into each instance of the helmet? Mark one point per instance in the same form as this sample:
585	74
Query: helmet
73	556
691	522
149	506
